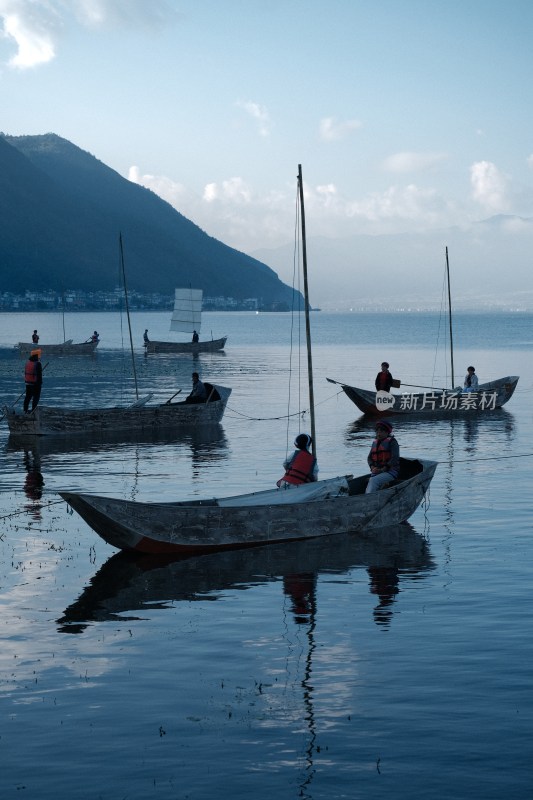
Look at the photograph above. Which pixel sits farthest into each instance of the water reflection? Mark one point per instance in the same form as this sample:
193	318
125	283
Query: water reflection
207	442
130	583
34	483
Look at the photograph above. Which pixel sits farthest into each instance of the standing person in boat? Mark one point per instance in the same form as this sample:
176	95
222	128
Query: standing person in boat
301	467
145	336
384	378
471	381
35	337
95	337
195	337
384	457
33	378
199	392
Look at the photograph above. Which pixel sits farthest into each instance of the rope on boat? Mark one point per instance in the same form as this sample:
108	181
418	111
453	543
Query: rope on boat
283	416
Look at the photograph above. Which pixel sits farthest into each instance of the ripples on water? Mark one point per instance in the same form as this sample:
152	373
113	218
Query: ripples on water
342	668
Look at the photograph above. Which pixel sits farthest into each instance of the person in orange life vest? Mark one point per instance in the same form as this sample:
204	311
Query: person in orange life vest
35	337
384	457
301	467
383	379
33	378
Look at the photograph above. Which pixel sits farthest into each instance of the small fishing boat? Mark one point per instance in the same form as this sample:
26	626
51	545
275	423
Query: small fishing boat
186	318
68	348
310	510
486	397
139	416
322	508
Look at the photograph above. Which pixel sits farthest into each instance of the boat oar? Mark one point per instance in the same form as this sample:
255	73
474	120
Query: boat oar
173	396
20	395
411	386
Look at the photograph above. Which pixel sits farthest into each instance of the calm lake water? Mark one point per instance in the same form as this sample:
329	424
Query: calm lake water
393	664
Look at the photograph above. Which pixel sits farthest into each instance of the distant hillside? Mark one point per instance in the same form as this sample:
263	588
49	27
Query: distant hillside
62	211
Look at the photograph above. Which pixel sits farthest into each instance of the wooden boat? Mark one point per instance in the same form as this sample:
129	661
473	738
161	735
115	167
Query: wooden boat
487	397
337	505
68	348
140	416
312	510
186	318
130	582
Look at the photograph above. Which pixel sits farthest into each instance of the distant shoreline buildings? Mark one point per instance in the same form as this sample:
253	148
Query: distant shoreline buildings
71	300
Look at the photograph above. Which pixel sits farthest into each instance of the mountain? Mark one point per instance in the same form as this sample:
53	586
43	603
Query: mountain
490	267
62	211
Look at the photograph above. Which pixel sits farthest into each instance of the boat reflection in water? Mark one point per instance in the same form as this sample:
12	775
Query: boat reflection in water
129	582
207	442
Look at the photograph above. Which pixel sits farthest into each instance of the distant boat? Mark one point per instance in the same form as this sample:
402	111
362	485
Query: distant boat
68	348
434	401
314	509
186	318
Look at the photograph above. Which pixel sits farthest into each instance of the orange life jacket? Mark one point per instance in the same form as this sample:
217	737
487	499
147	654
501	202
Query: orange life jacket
30	372
380	453
300	470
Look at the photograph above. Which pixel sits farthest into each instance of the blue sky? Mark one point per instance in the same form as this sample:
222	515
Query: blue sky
411	115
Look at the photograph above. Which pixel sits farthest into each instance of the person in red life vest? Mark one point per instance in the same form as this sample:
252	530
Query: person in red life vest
33	378
384	457
35	337
384	379
301	467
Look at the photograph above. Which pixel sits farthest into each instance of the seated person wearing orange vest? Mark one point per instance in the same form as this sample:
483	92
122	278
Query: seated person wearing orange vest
384	457
33	378
301	467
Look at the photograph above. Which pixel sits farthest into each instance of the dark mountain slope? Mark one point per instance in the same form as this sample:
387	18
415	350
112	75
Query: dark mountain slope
62	212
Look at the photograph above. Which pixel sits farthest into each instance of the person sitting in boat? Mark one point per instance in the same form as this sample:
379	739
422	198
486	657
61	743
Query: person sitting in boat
384	457
195	337
471	381
199	392
95	337
35	337
33	378
145	336
301	467
384	378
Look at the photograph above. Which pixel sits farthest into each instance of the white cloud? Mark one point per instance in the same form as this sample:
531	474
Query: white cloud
490	187
331	130
409	203
259	113
36	26
412	162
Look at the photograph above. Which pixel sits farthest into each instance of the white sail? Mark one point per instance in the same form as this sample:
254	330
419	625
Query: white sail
187	315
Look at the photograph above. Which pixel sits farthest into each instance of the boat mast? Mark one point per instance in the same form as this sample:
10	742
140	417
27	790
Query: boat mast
128	315
450	314
63	312
307	321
